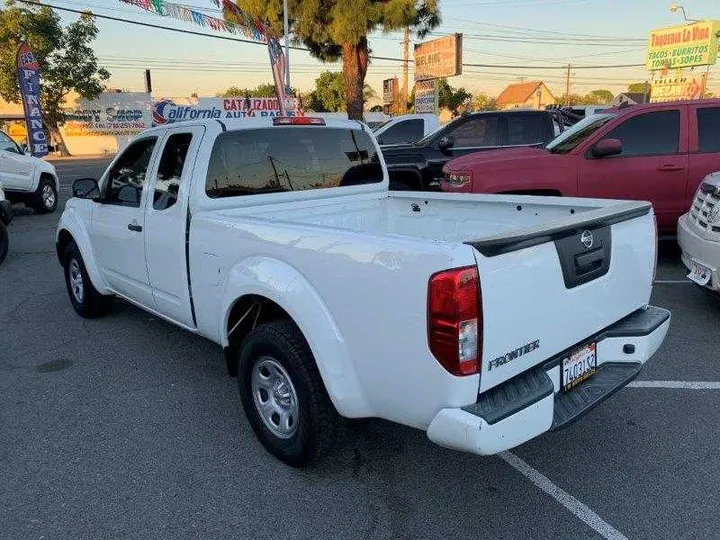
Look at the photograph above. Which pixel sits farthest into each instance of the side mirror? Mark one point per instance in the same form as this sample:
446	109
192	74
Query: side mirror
86	188
445	143
607	147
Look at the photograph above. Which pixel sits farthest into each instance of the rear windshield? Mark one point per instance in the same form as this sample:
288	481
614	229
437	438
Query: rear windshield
279	159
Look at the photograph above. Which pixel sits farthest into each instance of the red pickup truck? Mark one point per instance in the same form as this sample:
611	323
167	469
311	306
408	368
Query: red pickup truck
657	152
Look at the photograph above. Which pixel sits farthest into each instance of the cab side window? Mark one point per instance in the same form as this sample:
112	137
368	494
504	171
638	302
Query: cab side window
476	132
127	177
170	171
709	129
655	133
7	144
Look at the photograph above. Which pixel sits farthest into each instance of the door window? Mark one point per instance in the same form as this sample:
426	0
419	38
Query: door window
476	132
403	132
170	171
709	129
7	144
127	177
649	134
525	129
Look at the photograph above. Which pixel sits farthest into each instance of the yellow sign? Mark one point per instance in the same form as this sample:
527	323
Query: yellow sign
683	46
18	132
677	88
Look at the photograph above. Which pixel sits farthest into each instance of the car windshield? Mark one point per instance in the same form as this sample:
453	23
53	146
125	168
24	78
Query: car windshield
570	139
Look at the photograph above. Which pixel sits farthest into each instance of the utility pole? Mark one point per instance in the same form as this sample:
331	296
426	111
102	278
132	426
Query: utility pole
406	71
287	43
567	86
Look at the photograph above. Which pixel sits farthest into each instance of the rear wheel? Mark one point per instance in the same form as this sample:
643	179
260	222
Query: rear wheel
283	394
47	197
84	297
4	242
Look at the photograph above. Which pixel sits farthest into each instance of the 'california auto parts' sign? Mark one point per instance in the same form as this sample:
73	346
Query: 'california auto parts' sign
167	111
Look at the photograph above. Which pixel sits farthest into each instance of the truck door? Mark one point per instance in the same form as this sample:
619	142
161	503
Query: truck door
478	132
704	146
653	165
166	224
118	221
15	167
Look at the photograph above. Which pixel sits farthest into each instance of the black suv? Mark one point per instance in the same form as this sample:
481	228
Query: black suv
418	166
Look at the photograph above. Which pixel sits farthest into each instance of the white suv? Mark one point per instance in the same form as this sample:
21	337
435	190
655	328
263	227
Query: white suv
699	234
5	218
27	179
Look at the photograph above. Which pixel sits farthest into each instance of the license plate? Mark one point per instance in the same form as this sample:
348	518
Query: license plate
700	274
579	366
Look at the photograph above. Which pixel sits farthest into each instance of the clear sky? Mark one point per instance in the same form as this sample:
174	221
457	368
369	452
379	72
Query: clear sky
522	33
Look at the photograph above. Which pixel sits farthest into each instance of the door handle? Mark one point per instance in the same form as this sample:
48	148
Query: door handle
135	227
670	168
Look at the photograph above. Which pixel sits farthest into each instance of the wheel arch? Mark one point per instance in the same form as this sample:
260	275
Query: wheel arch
285	293
70	229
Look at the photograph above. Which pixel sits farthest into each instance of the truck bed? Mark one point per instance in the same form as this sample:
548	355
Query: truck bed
476	219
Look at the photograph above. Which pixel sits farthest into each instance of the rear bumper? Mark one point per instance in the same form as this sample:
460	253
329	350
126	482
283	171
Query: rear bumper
699	249
533	402
6	213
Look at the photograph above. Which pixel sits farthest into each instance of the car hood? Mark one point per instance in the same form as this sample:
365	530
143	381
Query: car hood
504	156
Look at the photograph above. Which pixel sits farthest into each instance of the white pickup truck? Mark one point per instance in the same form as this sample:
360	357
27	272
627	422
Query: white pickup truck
482	320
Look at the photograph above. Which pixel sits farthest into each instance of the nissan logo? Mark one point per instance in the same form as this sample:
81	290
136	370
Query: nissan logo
587	239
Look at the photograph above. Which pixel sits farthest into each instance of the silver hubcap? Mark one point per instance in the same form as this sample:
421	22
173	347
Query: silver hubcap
48	196
76	281
275	397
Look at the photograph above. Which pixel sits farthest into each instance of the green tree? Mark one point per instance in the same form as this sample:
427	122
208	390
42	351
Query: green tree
335	29
454	99
68	63
574	99
482	102
329	93
637	88
600	96
263	90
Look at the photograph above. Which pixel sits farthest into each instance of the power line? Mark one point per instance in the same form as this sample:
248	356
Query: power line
295	47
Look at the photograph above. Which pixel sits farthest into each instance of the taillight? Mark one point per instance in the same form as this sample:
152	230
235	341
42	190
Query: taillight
297	121
455	320
655	230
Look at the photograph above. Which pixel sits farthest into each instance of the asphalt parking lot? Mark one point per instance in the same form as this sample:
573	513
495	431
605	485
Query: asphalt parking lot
127	427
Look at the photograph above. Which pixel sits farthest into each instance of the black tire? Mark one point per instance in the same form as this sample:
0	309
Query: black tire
4	242
87	302
47	197
317	423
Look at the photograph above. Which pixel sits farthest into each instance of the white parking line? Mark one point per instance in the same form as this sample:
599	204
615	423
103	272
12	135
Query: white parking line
579	509
683	385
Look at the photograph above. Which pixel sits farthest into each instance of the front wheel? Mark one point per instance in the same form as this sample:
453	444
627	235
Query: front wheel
84	297
4	242
283	395
47	197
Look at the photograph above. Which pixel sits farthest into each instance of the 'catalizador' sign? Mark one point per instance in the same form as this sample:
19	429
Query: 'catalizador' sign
683	46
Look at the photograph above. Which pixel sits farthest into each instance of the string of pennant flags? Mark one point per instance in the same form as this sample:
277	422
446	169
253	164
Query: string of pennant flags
236	21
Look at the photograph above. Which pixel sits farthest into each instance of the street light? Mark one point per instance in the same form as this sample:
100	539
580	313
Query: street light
674	8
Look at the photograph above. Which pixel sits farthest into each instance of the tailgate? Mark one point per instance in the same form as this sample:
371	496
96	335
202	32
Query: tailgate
547	288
